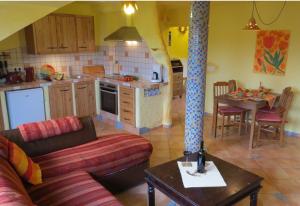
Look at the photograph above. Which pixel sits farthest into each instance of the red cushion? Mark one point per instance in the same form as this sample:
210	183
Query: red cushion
229	109
74	189
44	129
12	191
268	117
108	154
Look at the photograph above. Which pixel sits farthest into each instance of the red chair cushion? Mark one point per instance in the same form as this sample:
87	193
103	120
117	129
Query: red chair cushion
267	109
268	117
73	189
229	109
106	155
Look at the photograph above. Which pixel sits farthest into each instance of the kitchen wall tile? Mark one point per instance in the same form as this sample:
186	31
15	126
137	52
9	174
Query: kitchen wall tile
134	60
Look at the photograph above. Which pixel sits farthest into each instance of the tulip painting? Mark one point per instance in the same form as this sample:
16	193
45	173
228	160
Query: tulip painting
271	52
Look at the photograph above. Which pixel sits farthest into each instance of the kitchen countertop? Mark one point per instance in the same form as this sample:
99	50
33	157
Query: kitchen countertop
135	84
41	83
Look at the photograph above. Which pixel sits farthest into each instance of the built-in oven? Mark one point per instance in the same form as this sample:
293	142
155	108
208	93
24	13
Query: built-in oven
109	97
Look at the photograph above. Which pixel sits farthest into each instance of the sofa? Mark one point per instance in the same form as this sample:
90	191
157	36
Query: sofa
79	168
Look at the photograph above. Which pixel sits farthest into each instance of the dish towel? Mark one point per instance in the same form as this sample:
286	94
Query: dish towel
211	178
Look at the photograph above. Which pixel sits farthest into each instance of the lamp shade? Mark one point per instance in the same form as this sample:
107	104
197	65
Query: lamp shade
252	25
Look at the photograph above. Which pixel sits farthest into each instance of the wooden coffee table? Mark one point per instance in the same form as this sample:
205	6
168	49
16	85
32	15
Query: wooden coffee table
167	179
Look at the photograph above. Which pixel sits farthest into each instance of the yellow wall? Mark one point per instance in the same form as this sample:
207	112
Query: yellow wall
17	15
232	50
179	43
147	23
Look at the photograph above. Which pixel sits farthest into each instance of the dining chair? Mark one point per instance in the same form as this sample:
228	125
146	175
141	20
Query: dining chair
277	119
222	88
281	102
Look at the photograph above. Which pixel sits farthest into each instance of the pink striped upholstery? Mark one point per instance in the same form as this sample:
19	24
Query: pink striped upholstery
12	191
229	109
103	156
74	189
268	117
39	130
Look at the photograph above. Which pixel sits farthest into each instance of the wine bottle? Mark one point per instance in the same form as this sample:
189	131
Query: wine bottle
201	159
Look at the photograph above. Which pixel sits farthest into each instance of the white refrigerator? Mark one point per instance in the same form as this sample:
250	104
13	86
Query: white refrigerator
26	105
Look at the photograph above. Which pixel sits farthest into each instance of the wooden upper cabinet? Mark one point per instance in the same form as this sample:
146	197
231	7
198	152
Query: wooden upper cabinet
66	33
61	33
85	98
41	36
85	33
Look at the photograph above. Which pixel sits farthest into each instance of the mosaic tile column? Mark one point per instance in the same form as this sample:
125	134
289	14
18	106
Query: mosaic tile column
196	75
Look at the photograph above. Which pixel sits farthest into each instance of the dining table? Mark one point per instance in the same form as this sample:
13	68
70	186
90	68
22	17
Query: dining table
251	104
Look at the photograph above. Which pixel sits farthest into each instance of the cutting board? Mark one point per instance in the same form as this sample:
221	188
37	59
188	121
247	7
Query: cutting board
95	70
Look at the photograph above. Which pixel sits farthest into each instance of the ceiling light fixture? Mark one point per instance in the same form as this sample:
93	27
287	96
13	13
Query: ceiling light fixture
130	7
252	25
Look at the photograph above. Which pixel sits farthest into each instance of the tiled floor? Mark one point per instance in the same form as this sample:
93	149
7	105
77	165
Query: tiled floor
279	166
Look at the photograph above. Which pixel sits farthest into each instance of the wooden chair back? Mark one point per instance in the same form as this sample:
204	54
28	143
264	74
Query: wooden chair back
221	88
284	97
287	104
232	85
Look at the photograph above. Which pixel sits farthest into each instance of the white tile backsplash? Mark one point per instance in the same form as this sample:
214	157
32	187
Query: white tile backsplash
133	60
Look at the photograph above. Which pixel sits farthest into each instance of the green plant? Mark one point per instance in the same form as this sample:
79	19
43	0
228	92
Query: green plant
275	60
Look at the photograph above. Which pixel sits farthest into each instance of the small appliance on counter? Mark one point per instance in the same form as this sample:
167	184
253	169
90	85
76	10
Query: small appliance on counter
29	74
157	73
14	77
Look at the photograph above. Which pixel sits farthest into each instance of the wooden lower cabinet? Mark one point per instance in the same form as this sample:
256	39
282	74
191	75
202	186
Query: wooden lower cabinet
85	98
127	105
61	100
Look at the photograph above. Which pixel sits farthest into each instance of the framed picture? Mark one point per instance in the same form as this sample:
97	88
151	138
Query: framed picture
271	52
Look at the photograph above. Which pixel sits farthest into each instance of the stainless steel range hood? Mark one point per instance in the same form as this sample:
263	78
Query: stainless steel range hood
125	33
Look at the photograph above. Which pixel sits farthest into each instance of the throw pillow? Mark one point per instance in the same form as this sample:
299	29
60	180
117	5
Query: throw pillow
23	164
49	128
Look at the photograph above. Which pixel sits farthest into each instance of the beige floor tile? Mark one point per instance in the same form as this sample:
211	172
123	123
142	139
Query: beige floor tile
279	166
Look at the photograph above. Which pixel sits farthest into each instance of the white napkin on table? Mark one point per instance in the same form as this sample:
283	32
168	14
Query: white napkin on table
211	178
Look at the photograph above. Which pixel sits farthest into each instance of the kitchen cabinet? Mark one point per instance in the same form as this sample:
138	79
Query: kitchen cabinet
41	36
61	100
127	105
85	33
85	98
66	35
61	33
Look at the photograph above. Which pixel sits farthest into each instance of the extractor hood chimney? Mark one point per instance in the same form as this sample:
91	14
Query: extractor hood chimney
125	33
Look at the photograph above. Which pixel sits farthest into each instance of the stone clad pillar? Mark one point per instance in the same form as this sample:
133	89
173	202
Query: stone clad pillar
196	75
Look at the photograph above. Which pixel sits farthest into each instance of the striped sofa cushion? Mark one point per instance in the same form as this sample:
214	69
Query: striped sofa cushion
12	191
44	129
103	156
74	189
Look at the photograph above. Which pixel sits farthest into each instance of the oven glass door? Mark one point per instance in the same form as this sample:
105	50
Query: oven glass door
109	101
